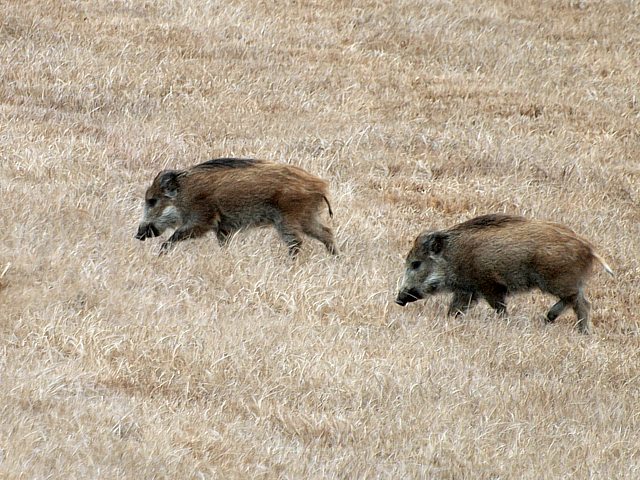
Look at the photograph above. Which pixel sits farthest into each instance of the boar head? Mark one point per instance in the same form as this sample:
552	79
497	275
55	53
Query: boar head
425	272
160	211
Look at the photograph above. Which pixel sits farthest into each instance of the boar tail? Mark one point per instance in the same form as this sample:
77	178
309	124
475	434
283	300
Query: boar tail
606	267
328	206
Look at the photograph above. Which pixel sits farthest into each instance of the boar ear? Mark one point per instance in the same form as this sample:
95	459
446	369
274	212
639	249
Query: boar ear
433	243
169	182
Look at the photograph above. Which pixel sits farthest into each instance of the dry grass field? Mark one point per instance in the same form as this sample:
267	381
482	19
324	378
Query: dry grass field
240	363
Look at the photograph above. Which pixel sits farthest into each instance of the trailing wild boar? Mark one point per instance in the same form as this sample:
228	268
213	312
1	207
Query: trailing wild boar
493	256
228	194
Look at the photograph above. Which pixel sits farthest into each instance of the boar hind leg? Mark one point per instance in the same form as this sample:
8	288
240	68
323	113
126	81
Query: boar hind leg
183	233
317	230
291	236
461	302
582	307
555	311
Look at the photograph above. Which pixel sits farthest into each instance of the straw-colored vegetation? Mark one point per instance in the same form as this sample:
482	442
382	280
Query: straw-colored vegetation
239	363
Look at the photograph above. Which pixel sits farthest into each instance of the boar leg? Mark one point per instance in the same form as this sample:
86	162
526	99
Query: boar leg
223	230
317	230
223	236
496	298
183	233
555	311
582	307
461	302
291	236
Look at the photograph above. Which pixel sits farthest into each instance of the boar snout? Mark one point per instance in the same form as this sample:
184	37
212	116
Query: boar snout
408	296
146	231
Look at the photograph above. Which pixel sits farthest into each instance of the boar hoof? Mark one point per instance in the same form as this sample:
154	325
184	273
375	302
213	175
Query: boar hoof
164	248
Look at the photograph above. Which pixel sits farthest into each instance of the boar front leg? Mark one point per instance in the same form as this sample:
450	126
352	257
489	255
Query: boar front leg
223	232
183	233
461	302
496	297
223	236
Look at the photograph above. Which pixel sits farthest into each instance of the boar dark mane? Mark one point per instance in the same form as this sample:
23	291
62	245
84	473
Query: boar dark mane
229	163
487	221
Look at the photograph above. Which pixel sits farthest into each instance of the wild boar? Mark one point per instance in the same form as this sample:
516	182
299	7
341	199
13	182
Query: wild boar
493	256
229	194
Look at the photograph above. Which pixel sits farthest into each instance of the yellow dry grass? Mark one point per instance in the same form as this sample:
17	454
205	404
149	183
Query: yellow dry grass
115	363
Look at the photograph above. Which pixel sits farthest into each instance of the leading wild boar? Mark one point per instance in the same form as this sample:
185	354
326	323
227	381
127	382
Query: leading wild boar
492	256
229	194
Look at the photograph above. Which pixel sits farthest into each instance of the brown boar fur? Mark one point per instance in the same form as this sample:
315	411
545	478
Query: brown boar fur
493	256
226	195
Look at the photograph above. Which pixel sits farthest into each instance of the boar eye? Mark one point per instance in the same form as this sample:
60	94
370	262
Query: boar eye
152	202
415	265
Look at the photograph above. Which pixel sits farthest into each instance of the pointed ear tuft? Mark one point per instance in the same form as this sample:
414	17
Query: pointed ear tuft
169	182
